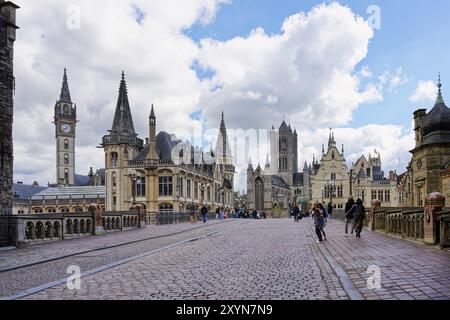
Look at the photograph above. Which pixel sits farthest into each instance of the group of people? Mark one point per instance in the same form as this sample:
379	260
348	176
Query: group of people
355	213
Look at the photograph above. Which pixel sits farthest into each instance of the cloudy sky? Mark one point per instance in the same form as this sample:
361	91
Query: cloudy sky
351	66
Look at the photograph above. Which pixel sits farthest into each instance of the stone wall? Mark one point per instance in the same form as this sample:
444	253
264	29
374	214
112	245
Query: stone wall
7	35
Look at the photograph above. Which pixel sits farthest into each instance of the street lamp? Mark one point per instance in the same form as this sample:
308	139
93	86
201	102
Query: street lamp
133	177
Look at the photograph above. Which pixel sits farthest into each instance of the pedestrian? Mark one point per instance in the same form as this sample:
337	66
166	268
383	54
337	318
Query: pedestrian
359	214
192	215
324	213
296	212
254	214
204	213
349	215
330	210
319	219
258	216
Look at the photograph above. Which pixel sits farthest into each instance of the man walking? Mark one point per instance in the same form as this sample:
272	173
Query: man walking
204	213
359	213
296	213
348	215
330	210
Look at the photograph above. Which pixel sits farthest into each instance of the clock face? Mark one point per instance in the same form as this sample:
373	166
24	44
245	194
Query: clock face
66	128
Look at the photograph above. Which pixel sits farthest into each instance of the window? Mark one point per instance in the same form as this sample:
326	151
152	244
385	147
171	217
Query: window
66	159
65	210
195	190
51	210
189	187
114	180
400	197
180	187
66	144
208	194
66	175
387	196
114	201
37	210
165	186
368	172
78	209
380	195
332	155
114	159
166	208
374	195
340	190
140	187
283	145
66	108
333	176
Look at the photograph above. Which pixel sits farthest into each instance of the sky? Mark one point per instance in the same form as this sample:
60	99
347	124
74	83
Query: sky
359	67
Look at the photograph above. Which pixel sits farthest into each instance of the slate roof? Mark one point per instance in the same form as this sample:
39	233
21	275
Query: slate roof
87	192
279	182
24	192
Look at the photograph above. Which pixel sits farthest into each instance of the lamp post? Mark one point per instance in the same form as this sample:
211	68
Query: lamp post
133	177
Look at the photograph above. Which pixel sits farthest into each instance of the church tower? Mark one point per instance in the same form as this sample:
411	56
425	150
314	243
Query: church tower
65	121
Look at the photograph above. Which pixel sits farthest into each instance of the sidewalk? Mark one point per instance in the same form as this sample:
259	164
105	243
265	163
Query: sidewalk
409	270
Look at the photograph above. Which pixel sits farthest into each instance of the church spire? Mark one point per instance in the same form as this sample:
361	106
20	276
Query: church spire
123	121
439	99
267	162
223	149
65	93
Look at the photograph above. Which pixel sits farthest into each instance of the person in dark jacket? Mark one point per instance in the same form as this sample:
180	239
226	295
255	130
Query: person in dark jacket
296	212
359	214
348	215
330	210
204	213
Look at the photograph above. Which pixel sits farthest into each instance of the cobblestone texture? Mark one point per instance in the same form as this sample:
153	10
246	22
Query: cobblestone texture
271	259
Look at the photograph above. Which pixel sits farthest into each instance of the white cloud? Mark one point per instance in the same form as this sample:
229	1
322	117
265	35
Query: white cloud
425	91
307	73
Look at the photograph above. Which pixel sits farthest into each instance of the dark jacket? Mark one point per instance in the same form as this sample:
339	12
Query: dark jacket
204	210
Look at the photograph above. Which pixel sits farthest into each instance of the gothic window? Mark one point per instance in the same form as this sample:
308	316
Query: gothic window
66	109
195	190
51	210
283	145
66	175
387	196
259	194
333	176
66	159
114	159
380	195
189	187
368	172
66	144
332	155
65	210
165	186
374	195
340	190
140	187
180	187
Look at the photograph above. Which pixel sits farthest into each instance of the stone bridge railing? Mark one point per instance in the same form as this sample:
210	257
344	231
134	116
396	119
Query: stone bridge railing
60	226
429	225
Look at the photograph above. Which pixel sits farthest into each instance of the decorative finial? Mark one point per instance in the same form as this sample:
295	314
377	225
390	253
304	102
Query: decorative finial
123	75
439	99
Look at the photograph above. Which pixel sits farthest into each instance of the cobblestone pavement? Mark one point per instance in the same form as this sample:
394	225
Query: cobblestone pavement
15	281
270	259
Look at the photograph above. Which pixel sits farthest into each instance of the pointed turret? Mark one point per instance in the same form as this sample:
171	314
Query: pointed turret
65	93
152	154
223	149
123	121
250	165
122	131
267	162
439	99
305	167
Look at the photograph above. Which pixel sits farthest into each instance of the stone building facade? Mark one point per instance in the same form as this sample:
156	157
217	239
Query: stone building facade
330	181
279	185
163	174
7	37
426	172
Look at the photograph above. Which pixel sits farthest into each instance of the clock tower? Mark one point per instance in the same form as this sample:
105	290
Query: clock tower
65	123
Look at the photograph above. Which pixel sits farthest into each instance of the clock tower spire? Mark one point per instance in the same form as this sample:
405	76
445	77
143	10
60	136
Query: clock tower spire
65	123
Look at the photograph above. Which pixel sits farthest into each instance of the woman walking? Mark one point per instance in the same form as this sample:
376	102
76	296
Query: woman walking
348	215
319	220
324	212
359	214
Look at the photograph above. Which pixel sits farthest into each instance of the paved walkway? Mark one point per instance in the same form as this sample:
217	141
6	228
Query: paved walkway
246	259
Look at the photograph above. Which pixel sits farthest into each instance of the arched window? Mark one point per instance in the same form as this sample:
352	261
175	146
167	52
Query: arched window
114	159
259	194
140	187
66	175
66	108
332	155
66	144
66	158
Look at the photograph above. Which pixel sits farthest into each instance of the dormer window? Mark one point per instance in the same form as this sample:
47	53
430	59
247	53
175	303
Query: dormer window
114	159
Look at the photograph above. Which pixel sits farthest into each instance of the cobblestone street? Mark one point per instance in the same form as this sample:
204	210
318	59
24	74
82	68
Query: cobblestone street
246	259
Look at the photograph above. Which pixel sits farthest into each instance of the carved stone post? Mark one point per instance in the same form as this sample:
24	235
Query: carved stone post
141	211
97	216
434	203
372	216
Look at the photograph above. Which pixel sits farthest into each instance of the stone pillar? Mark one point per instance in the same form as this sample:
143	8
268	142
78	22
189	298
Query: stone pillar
433	204
97	217
372	215
140	209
